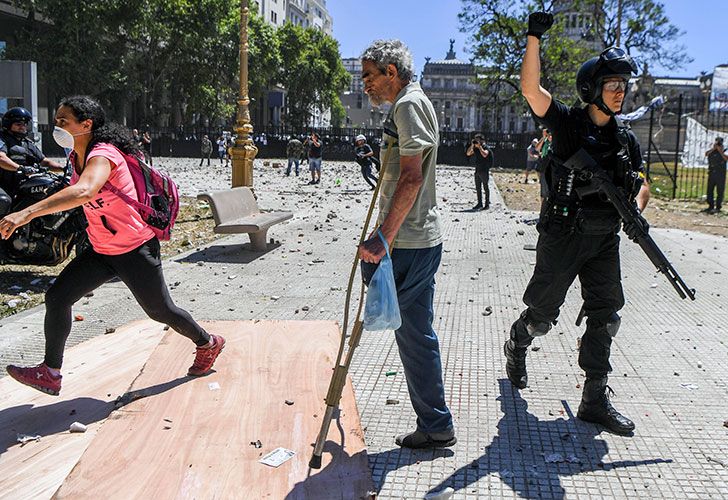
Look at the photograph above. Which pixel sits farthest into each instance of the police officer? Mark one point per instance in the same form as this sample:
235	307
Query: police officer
578	236
17	151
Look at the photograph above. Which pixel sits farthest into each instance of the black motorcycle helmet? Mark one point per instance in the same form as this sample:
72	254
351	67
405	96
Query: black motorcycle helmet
15	115
612	62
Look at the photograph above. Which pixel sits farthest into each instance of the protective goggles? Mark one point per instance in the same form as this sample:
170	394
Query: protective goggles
615	85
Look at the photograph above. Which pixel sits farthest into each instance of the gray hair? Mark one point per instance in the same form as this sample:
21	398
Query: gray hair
386	52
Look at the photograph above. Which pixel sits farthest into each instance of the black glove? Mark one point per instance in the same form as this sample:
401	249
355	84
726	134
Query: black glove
636	227
27	170
539	23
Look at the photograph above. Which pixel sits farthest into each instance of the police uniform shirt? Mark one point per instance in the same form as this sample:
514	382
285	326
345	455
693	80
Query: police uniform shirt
572	129
9	145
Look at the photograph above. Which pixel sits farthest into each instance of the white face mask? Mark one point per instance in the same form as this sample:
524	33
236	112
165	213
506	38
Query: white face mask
64	138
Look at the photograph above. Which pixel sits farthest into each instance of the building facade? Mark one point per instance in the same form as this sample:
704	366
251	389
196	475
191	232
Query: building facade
451	85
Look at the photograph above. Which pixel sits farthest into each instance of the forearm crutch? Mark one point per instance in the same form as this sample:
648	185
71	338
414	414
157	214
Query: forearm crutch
338	378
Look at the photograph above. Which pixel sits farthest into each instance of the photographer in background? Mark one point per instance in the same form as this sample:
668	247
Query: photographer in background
482	159
716	176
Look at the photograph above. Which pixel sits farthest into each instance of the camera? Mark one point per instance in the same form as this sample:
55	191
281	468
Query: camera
475	141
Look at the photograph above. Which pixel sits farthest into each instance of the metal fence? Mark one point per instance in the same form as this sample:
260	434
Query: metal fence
509	150
674	140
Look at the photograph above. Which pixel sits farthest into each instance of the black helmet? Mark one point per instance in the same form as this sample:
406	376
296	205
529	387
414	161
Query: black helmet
612	62
15	115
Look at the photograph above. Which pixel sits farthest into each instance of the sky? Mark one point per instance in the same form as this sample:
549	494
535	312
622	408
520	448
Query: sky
427	25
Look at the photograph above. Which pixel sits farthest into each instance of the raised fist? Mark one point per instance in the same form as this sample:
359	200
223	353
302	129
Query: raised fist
539	23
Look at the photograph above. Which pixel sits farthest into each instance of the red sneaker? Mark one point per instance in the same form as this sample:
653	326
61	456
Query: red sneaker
205	357
38	377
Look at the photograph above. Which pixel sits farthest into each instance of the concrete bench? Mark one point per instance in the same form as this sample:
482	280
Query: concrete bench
236	211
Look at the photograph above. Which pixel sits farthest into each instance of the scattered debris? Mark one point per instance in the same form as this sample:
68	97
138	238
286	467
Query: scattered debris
109	330
391	373
13	303
535	348
214	386
25	439
692	387
78	317
276	457
393	401
529	246
440	495
558	458
77	427
653	285
289	402
256	443
488	311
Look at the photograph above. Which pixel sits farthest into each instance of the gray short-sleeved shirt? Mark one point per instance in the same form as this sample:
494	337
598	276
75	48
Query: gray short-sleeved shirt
412	128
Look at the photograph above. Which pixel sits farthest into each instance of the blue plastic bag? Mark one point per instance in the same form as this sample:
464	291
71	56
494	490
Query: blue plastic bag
381	311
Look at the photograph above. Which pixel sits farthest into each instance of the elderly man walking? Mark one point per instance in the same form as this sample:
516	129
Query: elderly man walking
409	219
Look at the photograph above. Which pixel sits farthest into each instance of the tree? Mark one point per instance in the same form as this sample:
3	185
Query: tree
498	29
311	72
498	37
79	49
647	32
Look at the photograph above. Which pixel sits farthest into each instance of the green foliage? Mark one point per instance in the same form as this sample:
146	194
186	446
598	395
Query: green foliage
645	31
311	72
498	39
177	61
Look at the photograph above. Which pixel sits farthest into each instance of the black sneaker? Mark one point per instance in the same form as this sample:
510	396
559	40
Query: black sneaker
477	207
419	440
708	210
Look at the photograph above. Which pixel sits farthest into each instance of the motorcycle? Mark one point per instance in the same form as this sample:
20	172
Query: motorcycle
46	240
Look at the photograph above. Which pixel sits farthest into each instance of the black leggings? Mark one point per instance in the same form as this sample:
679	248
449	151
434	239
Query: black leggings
141	271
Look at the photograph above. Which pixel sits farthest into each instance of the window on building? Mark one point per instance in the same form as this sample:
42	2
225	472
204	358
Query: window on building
512	126
461	105
447	104
448	83
460	123
273	17
447	122
524	125
359	101
434	104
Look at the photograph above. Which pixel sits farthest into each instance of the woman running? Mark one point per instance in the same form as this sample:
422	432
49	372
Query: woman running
122	244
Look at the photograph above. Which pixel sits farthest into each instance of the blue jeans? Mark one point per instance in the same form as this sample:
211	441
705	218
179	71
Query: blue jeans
290	162
419	349
314	164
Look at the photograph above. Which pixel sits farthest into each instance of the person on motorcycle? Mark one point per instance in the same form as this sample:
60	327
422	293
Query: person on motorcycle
17	151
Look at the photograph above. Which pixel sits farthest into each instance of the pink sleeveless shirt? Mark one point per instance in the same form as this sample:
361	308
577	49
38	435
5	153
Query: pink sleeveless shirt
114	227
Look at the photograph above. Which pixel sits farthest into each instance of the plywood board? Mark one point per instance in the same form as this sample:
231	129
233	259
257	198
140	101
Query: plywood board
194	440
95	373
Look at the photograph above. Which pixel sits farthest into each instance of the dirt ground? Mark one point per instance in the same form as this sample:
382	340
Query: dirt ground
660	212
24	286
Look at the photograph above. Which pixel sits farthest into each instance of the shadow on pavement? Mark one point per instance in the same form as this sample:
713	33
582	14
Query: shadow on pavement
55	418
229	254
531	455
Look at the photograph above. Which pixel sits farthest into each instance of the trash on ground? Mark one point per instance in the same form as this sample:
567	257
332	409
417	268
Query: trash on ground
214	386
289	402
26	438
77	427
393	401
692	387
536	348
529	246
277	457
440	495
488	311
256	443
390	373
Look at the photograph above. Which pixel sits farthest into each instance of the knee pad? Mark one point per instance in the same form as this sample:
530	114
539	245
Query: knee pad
613	324
537	329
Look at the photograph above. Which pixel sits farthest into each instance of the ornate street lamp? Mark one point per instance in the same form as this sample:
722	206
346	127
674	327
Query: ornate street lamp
244	151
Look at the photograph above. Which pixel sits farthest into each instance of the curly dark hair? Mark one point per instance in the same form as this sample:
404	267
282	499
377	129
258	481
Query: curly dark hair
86	107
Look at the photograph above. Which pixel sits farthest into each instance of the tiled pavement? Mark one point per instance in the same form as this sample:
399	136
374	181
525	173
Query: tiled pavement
670	358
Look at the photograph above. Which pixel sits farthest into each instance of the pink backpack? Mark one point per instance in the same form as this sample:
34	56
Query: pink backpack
158	200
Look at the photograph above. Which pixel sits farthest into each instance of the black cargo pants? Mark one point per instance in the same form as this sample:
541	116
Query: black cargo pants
560	258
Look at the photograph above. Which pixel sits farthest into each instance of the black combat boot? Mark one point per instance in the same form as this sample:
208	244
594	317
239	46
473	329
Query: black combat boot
595	407
515	350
